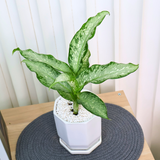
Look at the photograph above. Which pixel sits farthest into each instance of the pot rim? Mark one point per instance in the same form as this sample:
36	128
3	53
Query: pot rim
55	114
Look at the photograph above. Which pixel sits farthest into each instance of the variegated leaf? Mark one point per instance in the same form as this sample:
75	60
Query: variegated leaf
78	46
93	104
85	62
47	75
75	86
62	78
45	58
99	73
67	96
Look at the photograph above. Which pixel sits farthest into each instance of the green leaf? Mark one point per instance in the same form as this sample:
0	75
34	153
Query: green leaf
62	78
99	73
45	58
75	86
93	104
85	62
68	96
78	46
47	75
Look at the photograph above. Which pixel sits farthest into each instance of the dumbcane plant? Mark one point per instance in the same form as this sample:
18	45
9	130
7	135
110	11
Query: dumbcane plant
69	80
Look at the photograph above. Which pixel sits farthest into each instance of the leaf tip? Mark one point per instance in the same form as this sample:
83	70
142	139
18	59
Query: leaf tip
136	66
104	13
107	13
106	117
16	49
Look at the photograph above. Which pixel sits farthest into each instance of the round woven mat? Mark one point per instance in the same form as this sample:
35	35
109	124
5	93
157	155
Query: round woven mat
122	139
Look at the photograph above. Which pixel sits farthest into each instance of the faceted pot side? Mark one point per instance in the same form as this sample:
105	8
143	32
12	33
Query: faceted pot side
78	137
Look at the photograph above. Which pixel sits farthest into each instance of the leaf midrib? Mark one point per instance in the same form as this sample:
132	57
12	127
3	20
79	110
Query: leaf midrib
101	76
64	86
81	49
54	80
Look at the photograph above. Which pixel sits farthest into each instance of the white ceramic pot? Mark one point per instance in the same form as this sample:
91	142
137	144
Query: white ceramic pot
79	137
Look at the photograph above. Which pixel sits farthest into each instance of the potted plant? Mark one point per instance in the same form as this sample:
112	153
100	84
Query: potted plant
77	136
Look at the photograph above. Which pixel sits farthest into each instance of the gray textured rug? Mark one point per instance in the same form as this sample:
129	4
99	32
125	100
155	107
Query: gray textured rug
122	139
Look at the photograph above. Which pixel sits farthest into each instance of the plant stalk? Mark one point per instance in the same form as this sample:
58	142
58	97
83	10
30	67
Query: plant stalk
75	107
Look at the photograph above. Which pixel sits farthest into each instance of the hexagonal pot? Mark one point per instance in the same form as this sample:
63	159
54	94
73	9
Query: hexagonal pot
78	137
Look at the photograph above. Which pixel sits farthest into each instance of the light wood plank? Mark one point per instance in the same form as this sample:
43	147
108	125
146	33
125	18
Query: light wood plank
16	119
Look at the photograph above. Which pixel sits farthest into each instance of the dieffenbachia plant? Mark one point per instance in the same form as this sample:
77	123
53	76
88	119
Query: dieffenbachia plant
70	79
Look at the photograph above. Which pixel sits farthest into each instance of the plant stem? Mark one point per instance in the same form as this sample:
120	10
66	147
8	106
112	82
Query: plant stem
75	107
